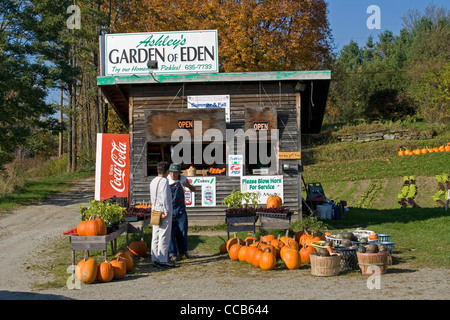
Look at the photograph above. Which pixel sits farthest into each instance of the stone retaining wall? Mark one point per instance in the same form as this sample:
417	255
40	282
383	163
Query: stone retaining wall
385	135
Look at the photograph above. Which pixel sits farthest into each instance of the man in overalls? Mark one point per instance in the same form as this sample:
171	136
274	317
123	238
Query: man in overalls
177	183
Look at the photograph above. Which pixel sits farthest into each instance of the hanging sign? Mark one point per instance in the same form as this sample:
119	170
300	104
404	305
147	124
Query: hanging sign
112	166
290	155
213	101
265	186
172	52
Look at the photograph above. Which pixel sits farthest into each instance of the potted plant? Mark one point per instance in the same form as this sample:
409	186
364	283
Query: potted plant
110	213
241	203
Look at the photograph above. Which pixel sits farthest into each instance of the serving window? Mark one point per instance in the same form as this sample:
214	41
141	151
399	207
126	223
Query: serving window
203	156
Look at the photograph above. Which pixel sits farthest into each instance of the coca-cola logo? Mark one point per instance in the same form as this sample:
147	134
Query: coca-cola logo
119	160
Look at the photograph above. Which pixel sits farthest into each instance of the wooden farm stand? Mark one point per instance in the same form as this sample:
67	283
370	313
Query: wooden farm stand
153	106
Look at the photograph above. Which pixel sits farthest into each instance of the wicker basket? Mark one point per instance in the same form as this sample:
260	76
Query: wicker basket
349	261
319	245
325	266
367	261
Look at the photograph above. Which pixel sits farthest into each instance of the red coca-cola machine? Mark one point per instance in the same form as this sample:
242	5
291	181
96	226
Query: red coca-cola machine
112	172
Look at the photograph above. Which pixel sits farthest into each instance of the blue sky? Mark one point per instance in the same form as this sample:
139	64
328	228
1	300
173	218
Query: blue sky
348	17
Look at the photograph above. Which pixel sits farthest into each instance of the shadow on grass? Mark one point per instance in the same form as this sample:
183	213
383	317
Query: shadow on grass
357	217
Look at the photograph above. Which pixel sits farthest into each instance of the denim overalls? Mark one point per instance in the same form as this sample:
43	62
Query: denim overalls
178	242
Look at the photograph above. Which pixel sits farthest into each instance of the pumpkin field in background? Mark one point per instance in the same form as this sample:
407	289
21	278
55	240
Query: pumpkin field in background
419	151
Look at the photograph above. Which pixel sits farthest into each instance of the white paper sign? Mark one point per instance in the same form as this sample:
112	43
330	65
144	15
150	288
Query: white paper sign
235	165
265	186
175	52
208	186
213	101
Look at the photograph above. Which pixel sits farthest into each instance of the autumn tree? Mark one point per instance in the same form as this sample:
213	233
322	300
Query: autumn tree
254	35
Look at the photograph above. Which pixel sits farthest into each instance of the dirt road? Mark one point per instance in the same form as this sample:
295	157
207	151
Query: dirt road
29	230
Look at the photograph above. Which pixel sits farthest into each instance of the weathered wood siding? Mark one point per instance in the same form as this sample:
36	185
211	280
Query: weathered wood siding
280	95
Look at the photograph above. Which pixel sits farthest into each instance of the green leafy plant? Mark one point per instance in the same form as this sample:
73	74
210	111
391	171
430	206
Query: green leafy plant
110	213
238	199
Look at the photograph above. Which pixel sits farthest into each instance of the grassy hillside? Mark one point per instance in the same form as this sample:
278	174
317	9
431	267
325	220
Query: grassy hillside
350	170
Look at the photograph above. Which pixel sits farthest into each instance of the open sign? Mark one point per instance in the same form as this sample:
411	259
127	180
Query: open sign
261	125
185	124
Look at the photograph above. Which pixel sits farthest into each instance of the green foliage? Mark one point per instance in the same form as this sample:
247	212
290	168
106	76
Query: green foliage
110	212
238	199
310	223
397	76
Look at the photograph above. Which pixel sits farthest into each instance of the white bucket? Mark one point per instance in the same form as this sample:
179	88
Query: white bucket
324	211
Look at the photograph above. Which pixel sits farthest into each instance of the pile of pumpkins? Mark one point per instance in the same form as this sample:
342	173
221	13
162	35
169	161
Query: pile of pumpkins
418	151
263	253
88	271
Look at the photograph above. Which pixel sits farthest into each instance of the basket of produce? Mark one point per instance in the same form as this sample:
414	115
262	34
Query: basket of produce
325	264
321	245
373	259
389	246
349	260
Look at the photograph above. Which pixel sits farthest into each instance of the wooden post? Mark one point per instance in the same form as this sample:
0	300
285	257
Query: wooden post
299	146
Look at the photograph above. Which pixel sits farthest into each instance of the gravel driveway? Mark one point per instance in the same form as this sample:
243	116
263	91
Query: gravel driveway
28	231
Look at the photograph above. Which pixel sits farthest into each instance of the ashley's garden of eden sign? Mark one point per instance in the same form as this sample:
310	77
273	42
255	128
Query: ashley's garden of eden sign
175	52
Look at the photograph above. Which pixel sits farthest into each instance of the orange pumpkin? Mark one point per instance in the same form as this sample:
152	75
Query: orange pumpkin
234	240
424	151
303	239
91	227
234	251
447	148
250	239
105	272
126	256
274	201
138	248
87	271
401	153
119	267
250	253
256	257
291	259
267	261
305	252
242	253
268	238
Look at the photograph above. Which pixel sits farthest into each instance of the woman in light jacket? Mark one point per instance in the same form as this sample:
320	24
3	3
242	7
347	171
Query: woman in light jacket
161	199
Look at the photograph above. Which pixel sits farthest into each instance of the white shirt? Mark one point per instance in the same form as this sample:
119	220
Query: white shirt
163	200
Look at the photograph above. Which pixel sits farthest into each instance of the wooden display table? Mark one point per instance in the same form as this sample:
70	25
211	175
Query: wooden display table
236	223
273	220
137	227
97	242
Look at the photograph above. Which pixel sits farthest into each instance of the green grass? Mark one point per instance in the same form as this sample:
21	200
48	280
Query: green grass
34	191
